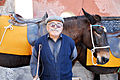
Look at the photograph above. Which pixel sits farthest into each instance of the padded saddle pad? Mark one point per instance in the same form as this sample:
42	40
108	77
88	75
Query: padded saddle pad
14	41
113	61
114	42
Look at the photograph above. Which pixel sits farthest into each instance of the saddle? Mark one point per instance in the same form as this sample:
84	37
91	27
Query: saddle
114	42
35	27
16	18
113	34
13	39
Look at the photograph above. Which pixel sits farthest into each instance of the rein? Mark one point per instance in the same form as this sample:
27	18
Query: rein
94	47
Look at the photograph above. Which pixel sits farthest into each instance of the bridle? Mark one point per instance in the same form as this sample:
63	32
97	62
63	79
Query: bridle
94	47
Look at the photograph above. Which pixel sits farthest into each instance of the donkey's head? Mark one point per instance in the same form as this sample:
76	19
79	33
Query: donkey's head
97	40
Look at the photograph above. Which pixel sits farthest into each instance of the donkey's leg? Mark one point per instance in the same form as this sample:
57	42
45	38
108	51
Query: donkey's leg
118	71
96	76
73	62
119	76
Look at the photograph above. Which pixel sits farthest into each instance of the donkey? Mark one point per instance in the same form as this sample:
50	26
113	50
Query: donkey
99	36
79	28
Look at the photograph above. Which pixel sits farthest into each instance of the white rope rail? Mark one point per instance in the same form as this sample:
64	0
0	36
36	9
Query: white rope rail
8	27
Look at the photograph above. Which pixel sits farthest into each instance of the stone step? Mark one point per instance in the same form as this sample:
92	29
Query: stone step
76	78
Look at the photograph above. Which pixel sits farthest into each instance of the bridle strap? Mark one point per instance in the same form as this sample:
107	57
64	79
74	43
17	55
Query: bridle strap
94	47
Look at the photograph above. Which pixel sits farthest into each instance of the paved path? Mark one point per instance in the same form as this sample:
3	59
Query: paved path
23	73
80	71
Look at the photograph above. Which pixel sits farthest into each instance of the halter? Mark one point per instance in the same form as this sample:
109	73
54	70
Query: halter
94	47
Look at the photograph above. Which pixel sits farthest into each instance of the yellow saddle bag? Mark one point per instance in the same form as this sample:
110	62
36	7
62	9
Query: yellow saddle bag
13	41
113	61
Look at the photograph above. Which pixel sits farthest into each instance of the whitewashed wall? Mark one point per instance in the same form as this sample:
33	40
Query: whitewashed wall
24	8
9	6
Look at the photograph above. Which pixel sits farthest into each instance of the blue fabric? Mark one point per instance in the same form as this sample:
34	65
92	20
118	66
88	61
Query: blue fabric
33	62
114	43
60	70
32	33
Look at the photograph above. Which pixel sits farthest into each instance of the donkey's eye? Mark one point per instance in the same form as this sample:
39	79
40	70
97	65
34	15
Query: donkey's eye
98	26
99	30
96	33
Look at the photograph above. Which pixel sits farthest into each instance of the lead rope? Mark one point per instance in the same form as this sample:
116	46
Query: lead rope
8	27
37	76
93	50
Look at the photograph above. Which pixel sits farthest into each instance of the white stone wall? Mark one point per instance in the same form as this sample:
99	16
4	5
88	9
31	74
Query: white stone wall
21	73
9	6
25	10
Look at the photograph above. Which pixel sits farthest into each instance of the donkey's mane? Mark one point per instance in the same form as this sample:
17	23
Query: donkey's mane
74	17
74	21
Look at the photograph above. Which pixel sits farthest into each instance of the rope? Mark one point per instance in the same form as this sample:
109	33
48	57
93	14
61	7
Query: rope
37	76
8	27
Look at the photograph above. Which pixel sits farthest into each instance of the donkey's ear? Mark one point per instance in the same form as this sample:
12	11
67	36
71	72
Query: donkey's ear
90	17
45	16
97	18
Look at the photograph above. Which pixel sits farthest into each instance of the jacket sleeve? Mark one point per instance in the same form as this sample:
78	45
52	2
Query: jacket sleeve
74	53
33	62
34	59
74	50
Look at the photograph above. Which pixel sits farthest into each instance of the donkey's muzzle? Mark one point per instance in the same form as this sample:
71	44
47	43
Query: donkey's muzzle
102	61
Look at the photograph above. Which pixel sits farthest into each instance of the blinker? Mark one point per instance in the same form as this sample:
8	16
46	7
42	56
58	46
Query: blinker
101	26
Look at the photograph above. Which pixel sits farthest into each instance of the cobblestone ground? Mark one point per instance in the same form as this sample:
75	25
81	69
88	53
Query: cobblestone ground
23	73
80	71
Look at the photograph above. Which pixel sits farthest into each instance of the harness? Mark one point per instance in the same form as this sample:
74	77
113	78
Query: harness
94	47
